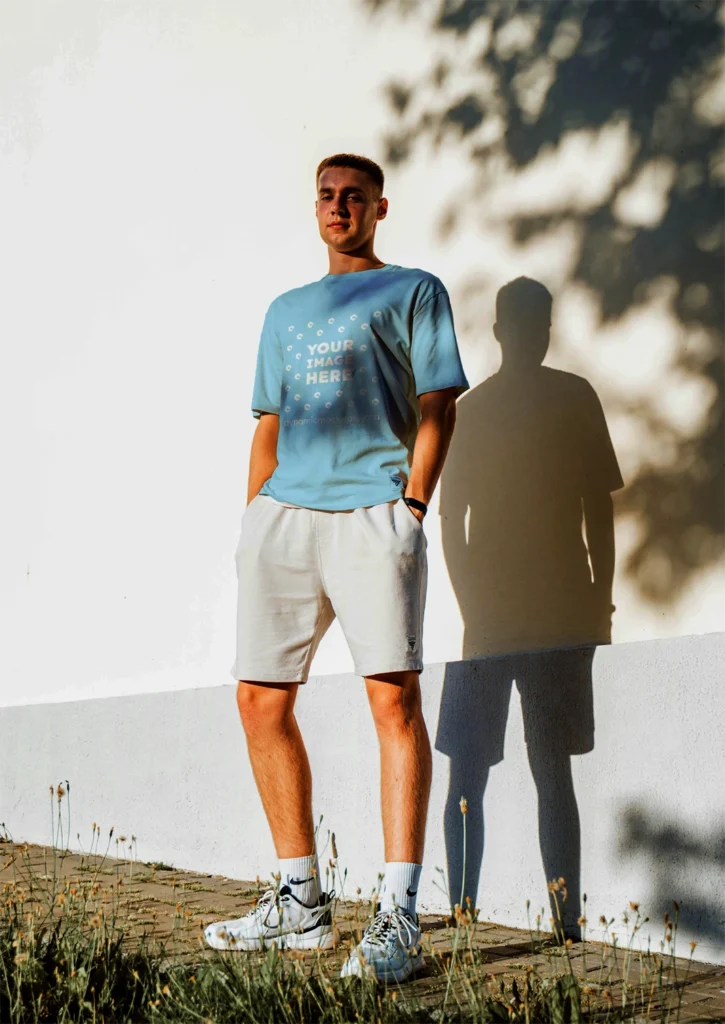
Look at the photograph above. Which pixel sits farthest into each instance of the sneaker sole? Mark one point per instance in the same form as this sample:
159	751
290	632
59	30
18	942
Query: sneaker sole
316	938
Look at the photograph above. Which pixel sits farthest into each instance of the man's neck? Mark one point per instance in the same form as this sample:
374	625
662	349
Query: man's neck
346	263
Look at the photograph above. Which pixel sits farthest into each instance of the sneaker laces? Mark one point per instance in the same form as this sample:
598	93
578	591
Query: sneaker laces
263	904
385	921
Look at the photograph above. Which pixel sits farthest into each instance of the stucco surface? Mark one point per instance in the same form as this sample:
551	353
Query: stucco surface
149	219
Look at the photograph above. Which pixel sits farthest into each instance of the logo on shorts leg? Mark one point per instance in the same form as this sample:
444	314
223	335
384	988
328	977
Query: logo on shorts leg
412	641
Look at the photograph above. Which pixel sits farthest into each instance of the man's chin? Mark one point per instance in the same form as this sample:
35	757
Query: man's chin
339	239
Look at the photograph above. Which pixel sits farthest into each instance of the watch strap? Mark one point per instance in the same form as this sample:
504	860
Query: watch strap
414	503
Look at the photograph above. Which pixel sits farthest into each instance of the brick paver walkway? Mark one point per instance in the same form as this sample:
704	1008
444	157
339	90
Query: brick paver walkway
174	906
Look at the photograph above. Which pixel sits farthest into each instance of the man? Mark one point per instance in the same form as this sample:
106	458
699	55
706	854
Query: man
355	391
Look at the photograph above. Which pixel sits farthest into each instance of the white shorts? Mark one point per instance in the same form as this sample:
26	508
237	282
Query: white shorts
298	568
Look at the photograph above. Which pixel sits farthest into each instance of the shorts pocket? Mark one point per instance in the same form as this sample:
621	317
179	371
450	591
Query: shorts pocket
409	528
250	517
410	514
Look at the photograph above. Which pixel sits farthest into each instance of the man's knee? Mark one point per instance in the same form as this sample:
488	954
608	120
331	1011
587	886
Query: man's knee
395	703
264	706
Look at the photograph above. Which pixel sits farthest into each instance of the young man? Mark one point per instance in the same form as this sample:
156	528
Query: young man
355	391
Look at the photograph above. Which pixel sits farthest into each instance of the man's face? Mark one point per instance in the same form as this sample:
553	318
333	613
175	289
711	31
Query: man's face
346	208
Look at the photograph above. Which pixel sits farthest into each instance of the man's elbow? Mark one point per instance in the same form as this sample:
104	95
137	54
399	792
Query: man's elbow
440	406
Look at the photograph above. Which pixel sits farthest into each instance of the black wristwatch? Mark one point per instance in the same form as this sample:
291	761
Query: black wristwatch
414	503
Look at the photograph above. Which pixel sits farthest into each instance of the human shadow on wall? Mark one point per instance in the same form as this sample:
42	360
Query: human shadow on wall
530	464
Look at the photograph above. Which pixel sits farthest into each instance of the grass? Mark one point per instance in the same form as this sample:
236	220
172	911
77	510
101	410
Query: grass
67	954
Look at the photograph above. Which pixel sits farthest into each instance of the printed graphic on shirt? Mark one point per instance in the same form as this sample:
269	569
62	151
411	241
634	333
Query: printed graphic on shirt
330	374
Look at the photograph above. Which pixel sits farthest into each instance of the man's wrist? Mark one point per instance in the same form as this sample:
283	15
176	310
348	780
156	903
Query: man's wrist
420	506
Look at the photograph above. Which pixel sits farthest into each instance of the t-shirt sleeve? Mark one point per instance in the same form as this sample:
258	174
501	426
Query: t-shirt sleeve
268	377
434	354
599	461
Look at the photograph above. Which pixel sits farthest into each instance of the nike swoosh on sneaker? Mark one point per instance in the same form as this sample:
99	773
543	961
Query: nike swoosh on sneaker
271	931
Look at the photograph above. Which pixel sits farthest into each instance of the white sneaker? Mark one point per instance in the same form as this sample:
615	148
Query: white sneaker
389	950
279	919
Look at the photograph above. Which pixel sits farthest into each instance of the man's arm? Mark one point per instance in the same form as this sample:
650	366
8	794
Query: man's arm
263	456
438	418
599	525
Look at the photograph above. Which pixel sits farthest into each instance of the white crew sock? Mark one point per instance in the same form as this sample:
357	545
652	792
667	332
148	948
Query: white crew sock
302	875
400	886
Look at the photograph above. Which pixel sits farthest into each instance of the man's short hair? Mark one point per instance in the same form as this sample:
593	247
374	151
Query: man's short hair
523	298
359	163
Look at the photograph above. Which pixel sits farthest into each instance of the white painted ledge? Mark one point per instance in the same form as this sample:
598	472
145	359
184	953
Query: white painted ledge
172	769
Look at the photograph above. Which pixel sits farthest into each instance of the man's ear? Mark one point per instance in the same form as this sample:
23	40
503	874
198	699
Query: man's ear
497	333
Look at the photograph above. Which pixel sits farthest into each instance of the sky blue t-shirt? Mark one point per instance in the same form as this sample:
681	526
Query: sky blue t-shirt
342	361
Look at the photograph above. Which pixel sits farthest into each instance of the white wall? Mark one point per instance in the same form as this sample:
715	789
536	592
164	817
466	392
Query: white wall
172	770
146	148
